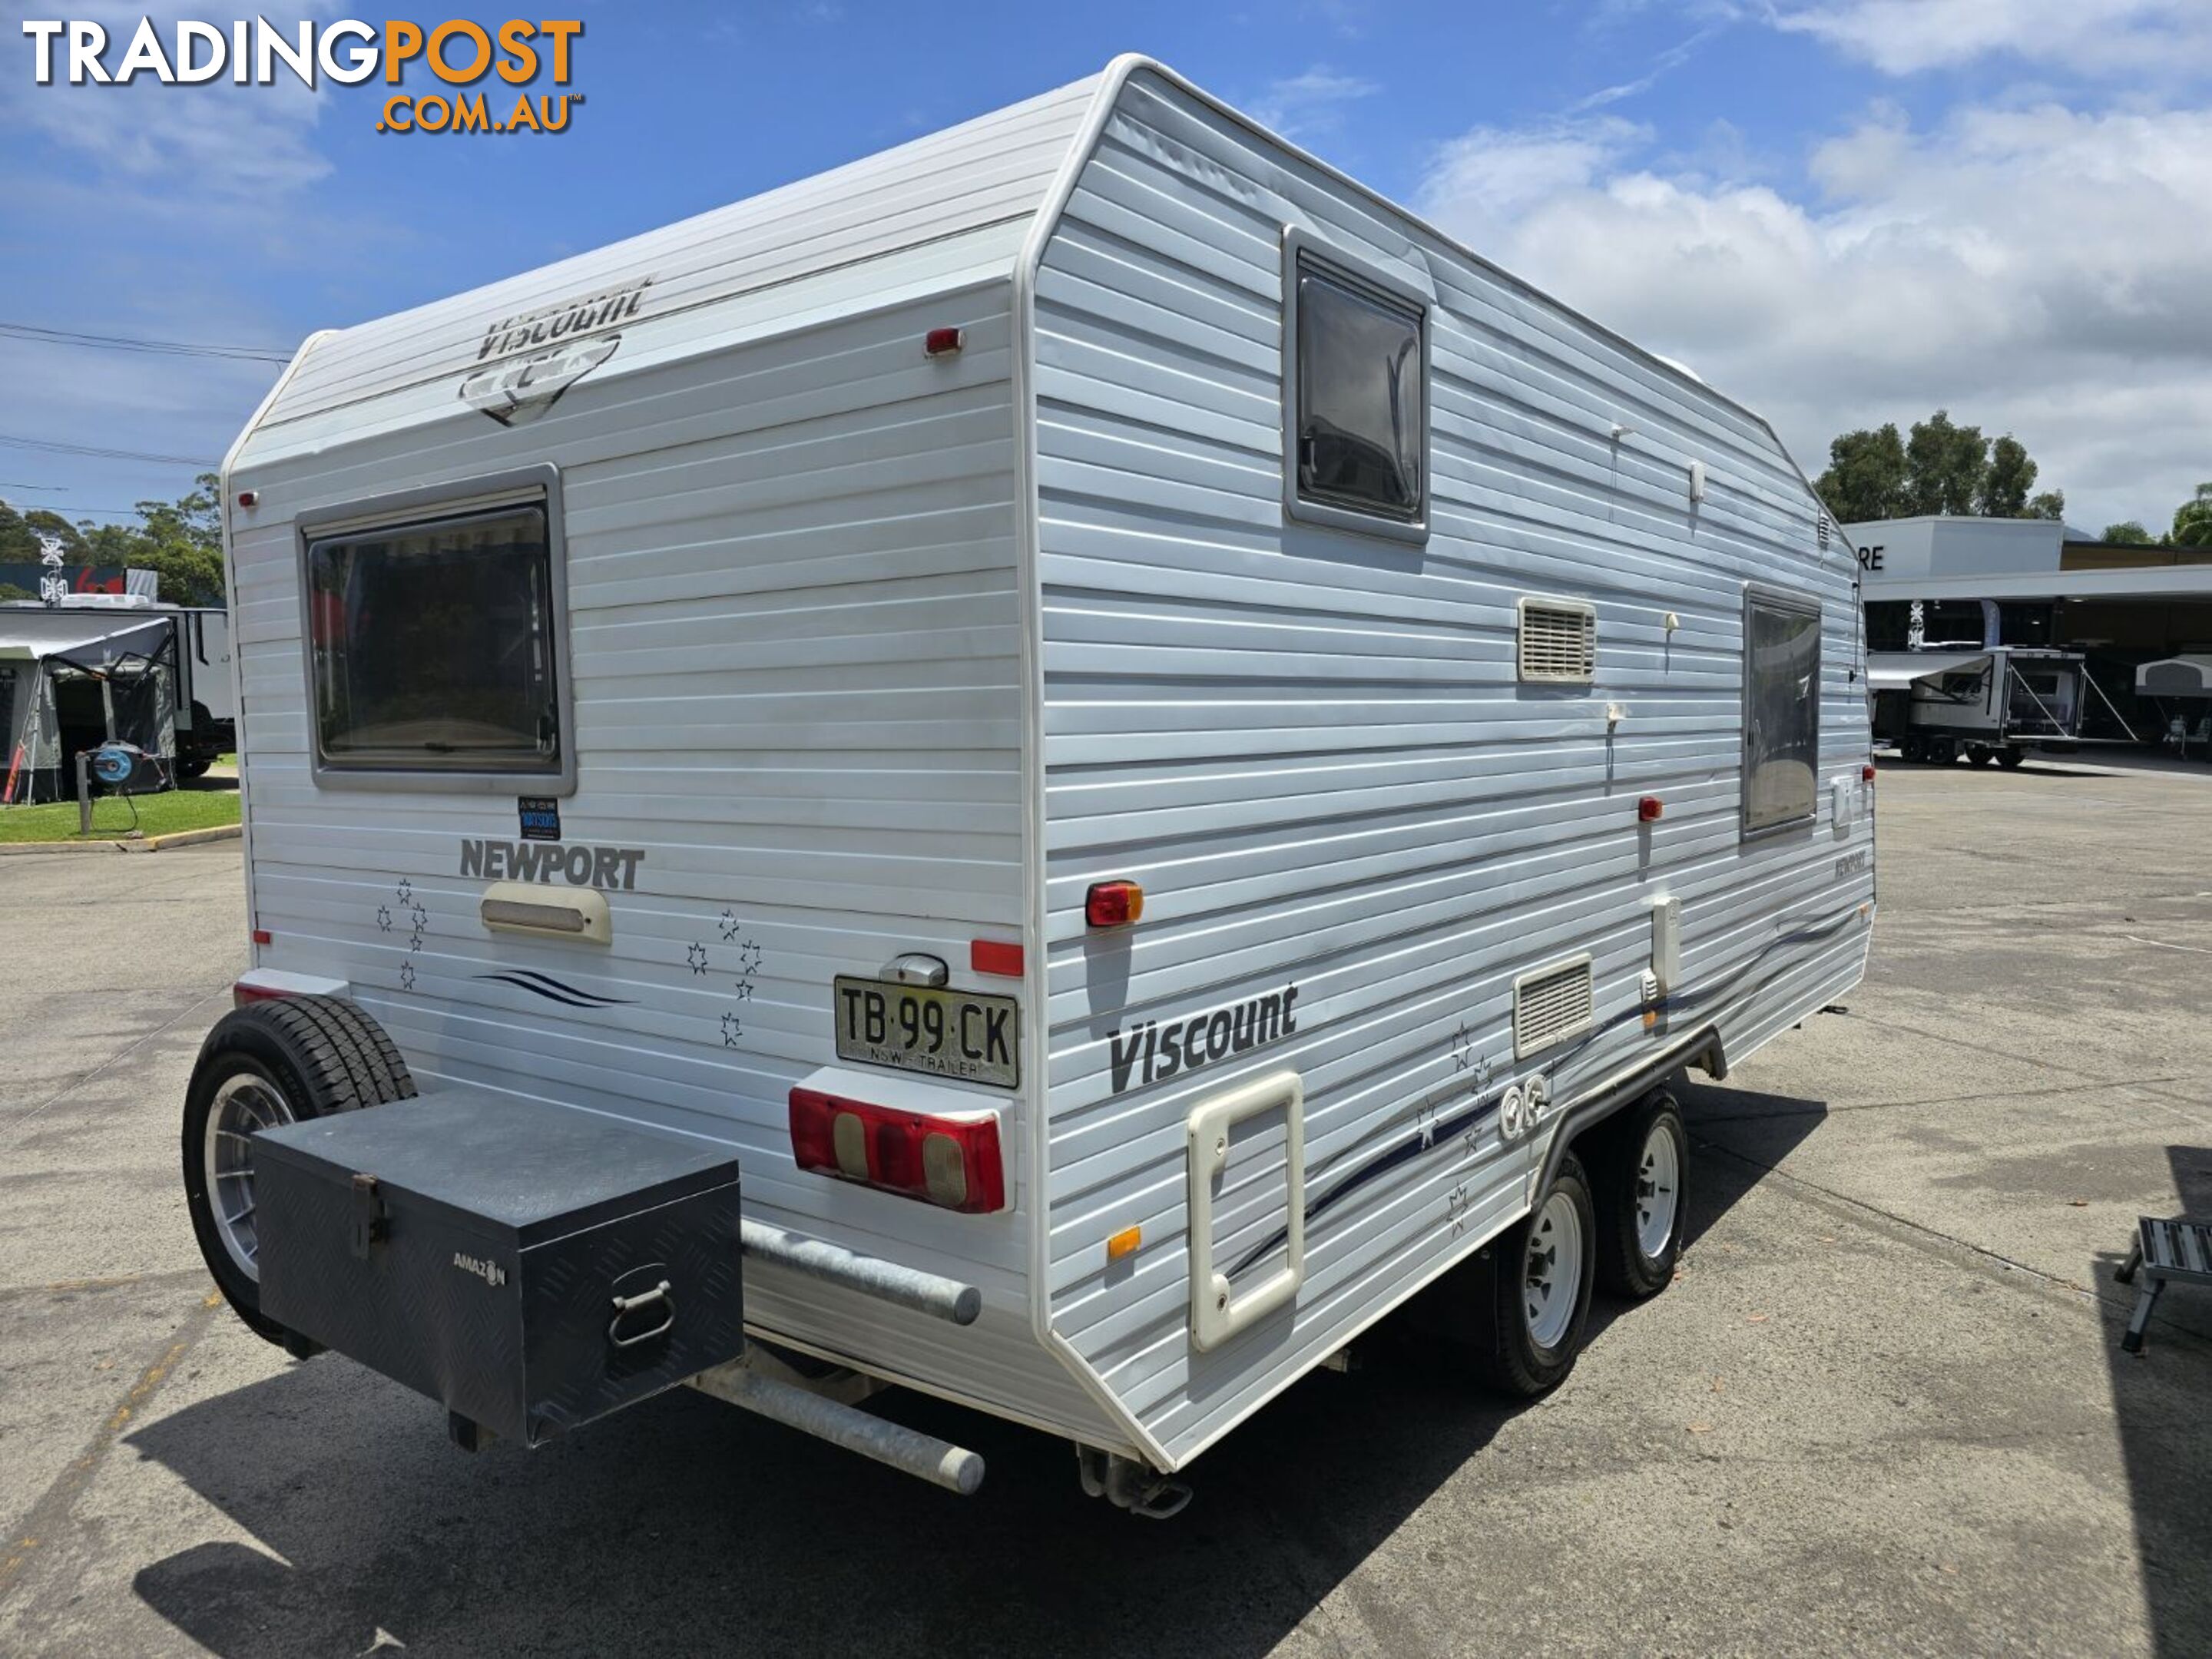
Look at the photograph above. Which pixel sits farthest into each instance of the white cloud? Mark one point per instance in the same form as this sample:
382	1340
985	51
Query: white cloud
1900	37
2038	270
1307	104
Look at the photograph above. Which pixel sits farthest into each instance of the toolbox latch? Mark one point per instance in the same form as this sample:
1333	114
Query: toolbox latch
371	1224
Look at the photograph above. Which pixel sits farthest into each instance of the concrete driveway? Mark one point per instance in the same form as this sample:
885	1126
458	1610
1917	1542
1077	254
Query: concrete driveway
1882	1410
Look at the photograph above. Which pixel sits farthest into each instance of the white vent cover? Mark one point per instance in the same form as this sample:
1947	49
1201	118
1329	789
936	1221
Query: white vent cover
1558	642
1551	1005
1820	530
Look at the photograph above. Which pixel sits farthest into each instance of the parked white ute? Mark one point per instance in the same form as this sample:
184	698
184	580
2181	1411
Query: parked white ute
1055	767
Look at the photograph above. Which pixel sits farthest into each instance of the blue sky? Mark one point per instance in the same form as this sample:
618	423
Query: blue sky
1836	210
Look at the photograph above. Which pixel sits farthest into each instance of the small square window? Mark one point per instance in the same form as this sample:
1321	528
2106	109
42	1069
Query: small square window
1781	708
433	647
1357	399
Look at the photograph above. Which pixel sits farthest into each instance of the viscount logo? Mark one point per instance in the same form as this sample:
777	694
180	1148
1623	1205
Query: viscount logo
1153	1052
490	1272
516	392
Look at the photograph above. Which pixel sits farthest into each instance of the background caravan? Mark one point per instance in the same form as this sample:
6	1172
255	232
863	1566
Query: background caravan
1057	766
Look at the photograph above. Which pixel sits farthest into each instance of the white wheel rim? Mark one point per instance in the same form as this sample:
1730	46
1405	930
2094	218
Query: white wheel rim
1554	1276
1658	1191
243	1106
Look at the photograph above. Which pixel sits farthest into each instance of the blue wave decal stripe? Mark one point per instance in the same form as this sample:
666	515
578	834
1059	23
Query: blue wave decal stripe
553	991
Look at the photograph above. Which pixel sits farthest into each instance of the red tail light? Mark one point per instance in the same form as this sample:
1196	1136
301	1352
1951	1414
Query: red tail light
941	341
1650	808
1866	773
952	1162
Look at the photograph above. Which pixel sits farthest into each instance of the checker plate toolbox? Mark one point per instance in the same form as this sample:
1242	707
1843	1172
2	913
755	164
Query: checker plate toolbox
529	1265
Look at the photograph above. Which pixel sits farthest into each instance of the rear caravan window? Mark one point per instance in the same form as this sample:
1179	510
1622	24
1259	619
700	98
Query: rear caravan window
433	647
1781	708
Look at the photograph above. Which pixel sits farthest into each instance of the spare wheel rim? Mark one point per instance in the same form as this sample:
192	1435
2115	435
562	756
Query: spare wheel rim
244	1104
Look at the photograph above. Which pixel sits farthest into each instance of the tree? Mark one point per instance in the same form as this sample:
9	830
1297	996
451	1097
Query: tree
2192	519
180	541
2129	532
2006	480
1941	469
1865	479
1944	466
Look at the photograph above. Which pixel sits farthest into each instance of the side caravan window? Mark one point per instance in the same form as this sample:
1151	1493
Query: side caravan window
436	635
1355	396
1781	708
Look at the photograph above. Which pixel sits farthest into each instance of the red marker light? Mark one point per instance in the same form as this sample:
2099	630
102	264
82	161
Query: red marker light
1866	772
248	497
992	956
942	342
261	936
1113	903
1650	807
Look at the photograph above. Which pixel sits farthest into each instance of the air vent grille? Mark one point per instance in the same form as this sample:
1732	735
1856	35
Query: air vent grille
1558	642
1550	1005
1820	530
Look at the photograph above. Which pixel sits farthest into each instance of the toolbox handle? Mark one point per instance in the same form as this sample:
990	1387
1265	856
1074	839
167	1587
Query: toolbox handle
627	1305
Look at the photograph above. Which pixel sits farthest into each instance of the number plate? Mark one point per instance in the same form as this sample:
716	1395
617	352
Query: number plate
913	1027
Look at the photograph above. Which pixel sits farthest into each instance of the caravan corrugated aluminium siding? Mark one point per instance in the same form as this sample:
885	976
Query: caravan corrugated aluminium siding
1311	749
795	626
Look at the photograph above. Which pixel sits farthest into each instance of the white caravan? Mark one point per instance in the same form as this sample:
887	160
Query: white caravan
1156	757
1993	704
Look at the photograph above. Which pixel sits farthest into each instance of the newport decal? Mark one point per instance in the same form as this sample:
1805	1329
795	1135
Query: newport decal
614	868
1157	1050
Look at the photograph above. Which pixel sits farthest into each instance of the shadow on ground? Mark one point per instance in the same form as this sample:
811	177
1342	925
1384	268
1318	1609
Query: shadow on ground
2160	1398
686	1526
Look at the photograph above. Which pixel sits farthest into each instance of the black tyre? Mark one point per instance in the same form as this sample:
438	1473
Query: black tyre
265	1064
1639	1172
2011	758
192	769
1528	1293
1981	756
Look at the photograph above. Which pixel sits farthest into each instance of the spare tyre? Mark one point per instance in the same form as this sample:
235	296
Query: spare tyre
272	1062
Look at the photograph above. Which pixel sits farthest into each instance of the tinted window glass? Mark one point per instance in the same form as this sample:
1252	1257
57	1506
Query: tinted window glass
1361	434
433	646
1781	710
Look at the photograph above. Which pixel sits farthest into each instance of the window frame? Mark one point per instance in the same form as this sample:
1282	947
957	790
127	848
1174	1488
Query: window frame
1796	603
535	486
1302	249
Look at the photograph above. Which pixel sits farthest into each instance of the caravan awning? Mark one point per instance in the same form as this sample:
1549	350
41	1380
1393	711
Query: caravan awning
1895	671
94	638
2175	676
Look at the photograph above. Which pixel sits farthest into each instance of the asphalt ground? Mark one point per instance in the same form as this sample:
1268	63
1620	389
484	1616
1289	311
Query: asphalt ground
1882	1410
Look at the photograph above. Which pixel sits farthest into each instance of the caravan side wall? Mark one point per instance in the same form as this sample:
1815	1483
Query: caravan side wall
1311	747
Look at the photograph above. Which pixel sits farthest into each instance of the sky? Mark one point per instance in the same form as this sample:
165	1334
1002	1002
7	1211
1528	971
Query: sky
1838	212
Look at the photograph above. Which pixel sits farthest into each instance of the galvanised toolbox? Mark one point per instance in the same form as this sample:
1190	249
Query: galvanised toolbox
531	1265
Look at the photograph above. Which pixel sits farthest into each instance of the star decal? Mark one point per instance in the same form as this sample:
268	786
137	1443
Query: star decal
744	990
750	957
696	955
730	925
405	890
383	918
732	1029
406	975
1456	1206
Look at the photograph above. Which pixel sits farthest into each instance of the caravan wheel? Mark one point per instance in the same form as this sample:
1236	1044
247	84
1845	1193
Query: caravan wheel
2011	758
264	1065
1639	1169
1528	1291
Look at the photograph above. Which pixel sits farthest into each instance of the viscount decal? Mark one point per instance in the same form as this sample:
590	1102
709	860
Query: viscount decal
1153	1052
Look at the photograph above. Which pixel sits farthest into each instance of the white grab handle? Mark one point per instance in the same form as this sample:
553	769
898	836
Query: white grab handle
1217	1312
